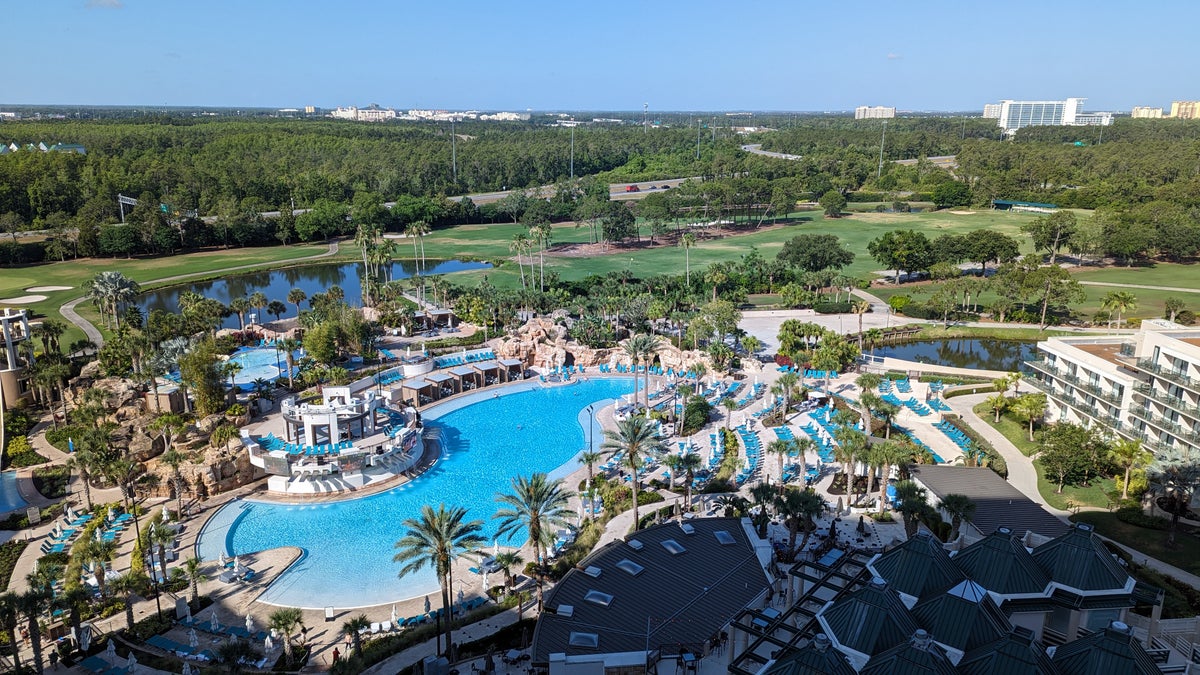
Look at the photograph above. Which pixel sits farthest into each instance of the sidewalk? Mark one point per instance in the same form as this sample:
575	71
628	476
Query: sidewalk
1023	476
418	653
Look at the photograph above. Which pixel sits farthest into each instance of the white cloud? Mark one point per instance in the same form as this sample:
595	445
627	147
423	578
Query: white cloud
892	56
104	4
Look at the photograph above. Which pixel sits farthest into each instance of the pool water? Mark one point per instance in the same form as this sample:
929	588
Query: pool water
265	363
348	545
10	497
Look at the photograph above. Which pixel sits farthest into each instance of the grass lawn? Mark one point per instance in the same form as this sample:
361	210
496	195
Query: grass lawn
1160	274
1185	556
1015	432
73	273
491	242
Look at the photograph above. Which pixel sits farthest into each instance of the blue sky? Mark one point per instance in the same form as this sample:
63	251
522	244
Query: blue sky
570	54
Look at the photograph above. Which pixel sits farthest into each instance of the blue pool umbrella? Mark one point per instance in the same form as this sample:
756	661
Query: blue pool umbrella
70	444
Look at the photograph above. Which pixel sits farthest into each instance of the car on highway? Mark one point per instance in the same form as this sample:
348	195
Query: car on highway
666	187
632	188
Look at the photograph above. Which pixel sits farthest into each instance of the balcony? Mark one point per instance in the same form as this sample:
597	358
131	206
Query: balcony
1080	406
1126	349
1147	391
1179	377
1101	393
1184	433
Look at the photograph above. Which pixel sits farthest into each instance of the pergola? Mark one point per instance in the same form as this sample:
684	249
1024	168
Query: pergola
510	365
412	390
464	373
487	368
439	381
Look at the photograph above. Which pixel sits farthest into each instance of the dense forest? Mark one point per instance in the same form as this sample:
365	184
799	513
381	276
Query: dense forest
1142	177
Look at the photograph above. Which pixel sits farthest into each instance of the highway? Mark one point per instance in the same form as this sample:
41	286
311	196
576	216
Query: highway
941	161
756	148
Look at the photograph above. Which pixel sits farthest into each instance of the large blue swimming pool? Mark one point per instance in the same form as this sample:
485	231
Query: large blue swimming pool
348	545
10	497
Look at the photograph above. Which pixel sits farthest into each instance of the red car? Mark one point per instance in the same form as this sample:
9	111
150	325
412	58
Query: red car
632	188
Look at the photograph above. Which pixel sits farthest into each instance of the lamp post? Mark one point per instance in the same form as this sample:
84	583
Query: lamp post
591	425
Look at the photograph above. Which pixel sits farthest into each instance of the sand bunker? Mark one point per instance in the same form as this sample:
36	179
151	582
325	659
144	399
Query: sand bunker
47	289
957	213
23	300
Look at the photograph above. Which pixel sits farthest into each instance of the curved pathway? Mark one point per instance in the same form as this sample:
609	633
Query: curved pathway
68	310
1023	476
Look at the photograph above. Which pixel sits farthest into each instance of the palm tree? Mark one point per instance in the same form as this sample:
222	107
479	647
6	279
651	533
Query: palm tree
674	464
506	561
289	346
354	628
799	508
785	389
520	242
638	438
1031	408
10	618
826	360
960	508
781	449
128	586
162	536
276	309
422	228
73	600
997	403
234	652
867	382
99	554
687	241
108	290
590	458
912	506
537	505
688	464
1119	302
240	306
889	454
641	350
412	231
195	574
435	540
297	296
284	621
860	307
1129	455
730	405
258	300
32	603
850	443
1174	475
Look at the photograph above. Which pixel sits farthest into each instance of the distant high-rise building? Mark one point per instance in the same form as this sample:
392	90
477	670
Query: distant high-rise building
1069	112
1146	112
991	111
310	110
873	112
1185	110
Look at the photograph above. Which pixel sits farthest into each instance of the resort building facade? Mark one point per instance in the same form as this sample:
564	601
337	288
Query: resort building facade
1144	386
873	112
1013	115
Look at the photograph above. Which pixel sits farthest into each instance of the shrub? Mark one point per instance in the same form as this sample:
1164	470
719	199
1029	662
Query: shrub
446	343
235	410
21	454
832	308
783	360
10	552
1134	515
52	481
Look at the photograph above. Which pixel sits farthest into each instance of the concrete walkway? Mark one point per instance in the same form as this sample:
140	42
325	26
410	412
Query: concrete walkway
1023	476
68	309
1173	289
419	652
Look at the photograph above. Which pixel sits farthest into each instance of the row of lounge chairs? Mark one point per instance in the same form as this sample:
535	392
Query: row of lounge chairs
918	442
389	377
809	373
960	439
463	359
323	449
753	453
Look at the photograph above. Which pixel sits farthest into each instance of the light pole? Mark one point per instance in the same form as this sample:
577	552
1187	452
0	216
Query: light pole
453	151
882	138
572	153
591	425
645	118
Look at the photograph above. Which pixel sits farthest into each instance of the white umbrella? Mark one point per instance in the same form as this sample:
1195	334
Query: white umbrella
221	558
166	514
236	564
427	604
485	581
193	639
111	652
187	613
249	623
132	663
213	623
495	547
187	668
460	596
393	614
268	645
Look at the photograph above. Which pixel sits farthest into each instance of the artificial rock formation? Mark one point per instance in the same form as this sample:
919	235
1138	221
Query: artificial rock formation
543	343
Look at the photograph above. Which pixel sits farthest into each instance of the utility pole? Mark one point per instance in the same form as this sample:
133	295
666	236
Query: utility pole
645	118
697	139
453	151
572	153
882	138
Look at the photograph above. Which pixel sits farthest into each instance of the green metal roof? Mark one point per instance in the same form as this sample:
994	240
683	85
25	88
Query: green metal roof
1014	654
815	658
918	566
917	656
1112	650
1079	560
870	620
964	617
1001	564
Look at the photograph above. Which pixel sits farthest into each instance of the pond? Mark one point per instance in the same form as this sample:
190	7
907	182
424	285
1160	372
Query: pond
275	284
978	353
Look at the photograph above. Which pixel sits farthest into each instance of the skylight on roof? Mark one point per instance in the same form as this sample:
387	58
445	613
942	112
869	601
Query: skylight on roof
635	544
687	528
590	640
598	598
631	567
592	571
565	611
968	590
674	547
724	538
